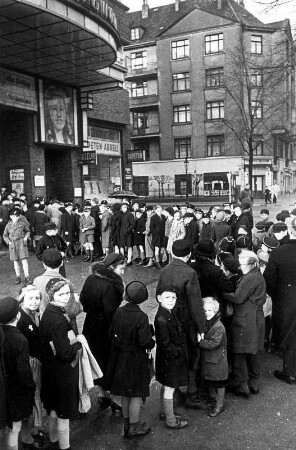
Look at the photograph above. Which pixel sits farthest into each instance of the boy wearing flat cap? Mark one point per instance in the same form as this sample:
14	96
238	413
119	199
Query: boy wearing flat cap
128	372
20	384
52	239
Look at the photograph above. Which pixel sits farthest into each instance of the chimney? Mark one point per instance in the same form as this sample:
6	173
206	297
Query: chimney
145	9
177	5
241	3
219	3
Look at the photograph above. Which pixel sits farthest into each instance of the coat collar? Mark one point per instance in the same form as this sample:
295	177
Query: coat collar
56	309
165	313
131	307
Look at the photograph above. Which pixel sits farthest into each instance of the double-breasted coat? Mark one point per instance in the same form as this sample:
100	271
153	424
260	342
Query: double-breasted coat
67	226
115	228
14	234
105	229
59	390
214	351
171	361
140	227
127	225
101	295
128	371
247	324
20	383
280	277
157	229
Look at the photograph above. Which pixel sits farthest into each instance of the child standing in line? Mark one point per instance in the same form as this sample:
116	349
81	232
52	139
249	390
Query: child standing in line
128	373
21	387
171	357
87	232
214	356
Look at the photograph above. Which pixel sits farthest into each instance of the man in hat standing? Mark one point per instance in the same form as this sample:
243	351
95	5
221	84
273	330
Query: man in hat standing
189	308
281	286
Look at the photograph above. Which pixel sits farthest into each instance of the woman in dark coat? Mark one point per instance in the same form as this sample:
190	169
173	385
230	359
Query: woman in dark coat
5	414
247	325
157	230
139	235
128	372
126	232
115	226
101	296
60	368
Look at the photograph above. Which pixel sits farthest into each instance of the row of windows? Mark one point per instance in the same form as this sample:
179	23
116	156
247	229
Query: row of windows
214	43
182	113
213	78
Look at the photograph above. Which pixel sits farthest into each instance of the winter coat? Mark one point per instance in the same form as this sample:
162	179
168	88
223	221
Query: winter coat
220	229
280	277
171	361
101	296
39	219
177	232
126	229
67	227
59	390
206	230
247	324
105	229
115	228
140	227
21	387
214	351
157	229
50	242
30	330
149	250
128	371
14	234
4	215
5	413
257	238
192	233
236	223
189	307
89	223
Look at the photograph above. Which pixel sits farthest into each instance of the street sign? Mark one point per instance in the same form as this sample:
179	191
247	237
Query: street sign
87	158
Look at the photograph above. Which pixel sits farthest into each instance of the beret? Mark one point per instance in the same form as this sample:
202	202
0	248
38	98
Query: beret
205	247
49	226
188	215
136	292
181	248
264	211
279	226
113	258
9	308
270	242
231	264
52	258
242	241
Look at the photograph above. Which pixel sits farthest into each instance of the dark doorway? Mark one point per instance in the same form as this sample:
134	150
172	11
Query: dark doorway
58	168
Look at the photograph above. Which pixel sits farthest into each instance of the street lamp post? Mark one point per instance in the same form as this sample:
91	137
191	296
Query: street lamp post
186	163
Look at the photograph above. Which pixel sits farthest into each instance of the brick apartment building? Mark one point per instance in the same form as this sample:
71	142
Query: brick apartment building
186	116
64	116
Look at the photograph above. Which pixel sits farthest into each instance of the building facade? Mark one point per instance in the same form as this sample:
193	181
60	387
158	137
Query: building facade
196	118
60	65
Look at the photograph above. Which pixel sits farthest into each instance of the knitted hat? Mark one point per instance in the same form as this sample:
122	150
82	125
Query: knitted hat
205	247
188	215
227	244
136	292
181	248
149	208
170	210
52	258
231	264
9	308
243	241
271	242
220	216
113	258
264	211
166	288
279	226
49	226
260	226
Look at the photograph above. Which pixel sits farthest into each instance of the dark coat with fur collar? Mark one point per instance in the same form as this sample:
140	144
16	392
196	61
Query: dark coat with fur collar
100	296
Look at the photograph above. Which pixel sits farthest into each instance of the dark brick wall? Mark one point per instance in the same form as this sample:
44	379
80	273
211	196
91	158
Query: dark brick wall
120	12
111	106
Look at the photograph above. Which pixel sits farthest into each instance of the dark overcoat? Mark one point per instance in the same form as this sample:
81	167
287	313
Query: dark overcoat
127	225
140	227
247	325
220	229
236	223
50	242
101	295
67	226
214	351
280	277
5	413
38	221
30	330
157	229
115	228
171	362
192	233
59	388
20	383
128	371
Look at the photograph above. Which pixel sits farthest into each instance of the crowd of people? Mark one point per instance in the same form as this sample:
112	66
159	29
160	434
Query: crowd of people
226	289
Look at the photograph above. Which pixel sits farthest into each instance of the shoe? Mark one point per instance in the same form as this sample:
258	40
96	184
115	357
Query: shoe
216	410
28	280
194	402
116	409
281	376
157	265
141	263
179	424
242	391
136	260
162	416
17	280
149	264
138	429
129	263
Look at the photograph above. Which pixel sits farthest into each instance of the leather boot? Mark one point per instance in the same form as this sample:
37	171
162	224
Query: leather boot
87	258
91	256
138	429
126	426
149	264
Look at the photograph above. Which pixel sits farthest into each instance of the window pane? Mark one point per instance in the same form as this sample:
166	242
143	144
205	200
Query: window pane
180	49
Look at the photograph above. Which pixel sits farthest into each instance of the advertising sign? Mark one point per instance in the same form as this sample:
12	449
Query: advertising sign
104	147
17	90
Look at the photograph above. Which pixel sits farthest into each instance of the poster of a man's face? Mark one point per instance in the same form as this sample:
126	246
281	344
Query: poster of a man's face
59	115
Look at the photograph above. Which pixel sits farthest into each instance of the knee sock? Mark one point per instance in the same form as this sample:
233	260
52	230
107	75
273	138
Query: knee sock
134	409
52	428
220	396
125	407
169	411
63	433
12	435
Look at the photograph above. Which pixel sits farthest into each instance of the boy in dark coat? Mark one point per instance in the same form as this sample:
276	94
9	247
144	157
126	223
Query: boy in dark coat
128	371
171	356
127	225
214	355
157	229
21	387
52	239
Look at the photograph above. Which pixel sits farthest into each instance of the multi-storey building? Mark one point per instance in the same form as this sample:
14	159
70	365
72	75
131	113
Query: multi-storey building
193	109
63	114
